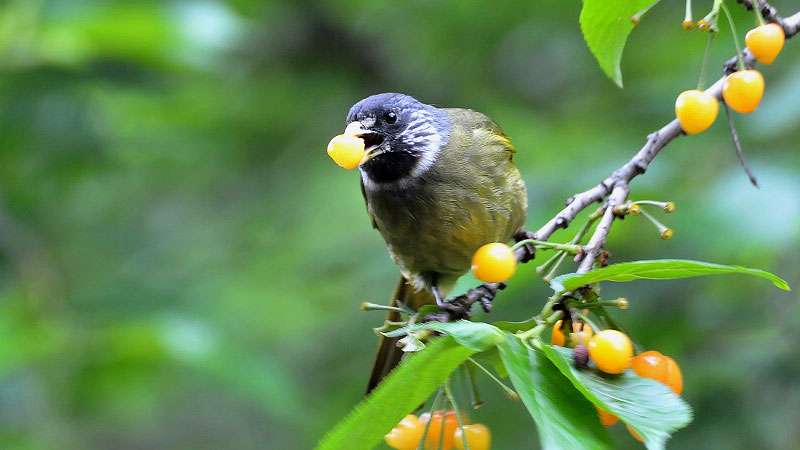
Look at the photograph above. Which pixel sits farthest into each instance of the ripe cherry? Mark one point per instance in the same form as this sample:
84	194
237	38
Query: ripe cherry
611	351
742	90
634	433
406	435
696	110
606	418
765	42
478	437
494	263
440	418
652	364
346	151
577	336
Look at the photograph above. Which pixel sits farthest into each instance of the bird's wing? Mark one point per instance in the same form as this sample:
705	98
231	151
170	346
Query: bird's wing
366	203
483	129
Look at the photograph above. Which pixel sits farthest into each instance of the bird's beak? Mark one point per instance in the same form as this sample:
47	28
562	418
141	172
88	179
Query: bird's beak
372	139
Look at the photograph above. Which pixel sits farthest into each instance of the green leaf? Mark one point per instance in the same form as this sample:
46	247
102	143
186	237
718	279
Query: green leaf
491	357
606	25
476	336
649	407
659	269
515	327
563	416
402	391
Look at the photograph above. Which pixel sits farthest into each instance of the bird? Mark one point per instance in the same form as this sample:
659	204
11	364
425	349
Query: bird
438	184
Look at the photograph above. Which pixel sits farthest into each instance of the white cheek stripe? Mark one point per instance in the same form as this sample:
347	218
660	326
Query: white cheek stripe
429	153
428	143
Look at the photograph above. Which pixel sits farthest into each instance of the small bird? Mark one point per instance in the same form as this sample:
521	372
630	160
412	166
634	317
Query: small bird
438	184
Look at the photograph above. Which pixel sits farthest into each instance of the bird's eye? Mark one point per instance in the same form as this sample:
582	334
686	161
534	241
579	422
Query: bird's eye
391	117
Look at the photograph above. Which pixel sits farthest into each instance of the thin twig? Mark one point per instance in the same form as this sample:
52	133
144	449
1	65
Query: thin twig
738	146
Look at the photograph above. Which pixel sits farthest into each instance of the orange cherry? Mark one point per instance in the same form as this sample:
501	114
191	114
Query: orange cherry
606	418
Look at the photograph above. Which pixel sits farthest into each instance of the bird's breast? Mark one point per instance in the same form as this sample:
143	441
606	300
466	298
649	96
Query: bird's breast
435	222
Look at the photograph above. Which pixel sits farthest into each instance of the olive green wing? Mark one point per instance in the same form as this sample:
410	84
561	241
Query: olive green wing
481	148
482	130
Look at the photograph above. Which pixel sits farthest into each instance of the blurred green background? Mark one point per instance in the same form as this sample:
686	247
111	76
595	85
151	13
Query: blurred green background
181	265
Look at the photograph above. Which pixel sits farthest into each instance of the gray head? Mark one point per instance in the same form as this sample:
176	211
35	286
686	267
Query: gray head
402	136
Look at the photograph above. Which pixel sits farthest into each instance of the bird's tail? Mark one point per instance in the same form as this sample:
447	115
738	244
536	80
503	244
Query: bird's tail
389	354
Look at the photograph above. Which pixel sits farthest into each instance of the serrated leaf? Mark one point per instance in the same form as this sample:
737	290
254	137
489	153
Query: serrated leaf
477	336
565	419
606	25
659	269
402	391
649	407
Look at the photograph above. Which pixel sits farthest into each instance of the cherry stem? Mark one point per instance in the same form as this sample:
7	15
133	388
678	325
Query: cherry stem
434	405
546	318
589	322
367	306
738	146
475	394
649	202
569	248
561	256
638	16
509	392
735	36
660	226
551	265
701	84
452	399
757	8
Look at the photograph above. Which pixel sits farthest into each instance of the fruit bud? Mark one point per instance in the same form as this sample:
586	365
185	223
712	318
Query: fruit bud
687	19
580	354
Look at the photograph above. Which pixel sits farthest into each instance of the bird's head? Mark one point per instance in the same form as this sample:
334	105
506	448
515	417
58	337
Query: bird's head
402	136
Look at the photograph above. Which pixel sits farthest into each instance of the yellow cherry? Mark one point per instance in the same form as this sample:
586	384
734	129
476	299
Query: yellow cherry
765	42
742	90
406	435
346	151
494	263
696	110
477	436
611	350
580	335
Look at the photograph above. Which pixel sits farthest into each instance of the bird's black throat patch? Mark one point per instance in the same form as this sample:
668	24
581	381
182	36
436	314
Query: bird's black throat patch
391	166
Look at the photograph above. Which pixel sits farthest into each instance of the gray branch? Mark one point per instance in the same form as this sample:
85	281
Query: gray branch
639	163
615	186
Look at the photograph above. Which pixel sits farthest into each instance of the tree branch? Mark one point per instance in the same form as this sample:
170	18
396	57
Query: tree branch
615	187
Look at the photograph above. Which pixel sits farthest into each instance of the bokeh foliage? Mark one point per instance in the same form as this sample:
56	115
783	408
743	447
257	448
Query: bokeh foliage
181	265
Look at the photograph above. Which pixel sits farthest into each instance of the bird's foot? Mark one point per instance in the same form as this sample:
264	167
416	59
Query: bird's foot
459	307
